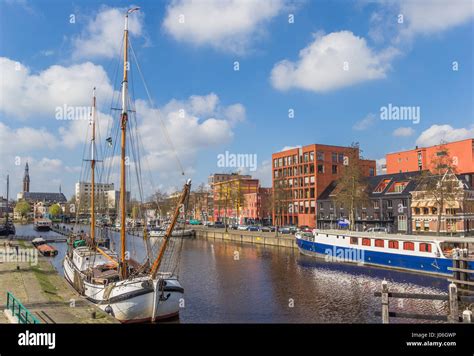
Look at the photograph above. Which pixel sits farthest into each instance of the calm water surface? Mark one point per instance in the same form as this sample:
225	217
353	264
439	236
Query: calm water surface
228	282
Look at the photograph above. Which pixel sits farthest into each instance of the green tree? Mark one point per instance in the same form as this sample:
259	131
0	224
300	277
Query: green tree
23	208
351	188
55	210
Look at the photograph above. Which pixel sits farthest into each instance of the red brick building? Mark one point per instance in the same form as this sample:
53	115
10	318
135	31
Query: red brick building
257	207
420	158
300	175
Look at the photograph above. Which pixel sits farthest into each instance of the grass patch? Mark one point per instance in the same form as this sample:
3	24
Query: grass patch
46	286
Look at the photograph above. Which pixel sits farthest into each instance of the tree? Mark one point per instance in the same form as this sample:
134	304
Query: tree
351	188
55	210
23	208
439	184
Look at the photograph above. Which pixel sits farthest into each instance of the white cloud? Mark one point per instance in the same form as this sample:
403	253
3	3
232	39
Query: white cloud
102	36
228	25
332	61
286	148
381	166
365	123
427	17
194	124
443	133
24	94
403	132
24	139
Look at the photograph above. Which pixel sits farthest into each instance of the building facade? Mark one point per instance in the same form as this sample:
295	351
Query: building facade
300	175
420	158
453	213
229	198
388	204
257	207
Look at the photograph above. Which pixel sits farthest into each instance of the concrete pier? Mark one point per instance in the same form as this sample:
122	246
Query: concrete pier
252	237
42	290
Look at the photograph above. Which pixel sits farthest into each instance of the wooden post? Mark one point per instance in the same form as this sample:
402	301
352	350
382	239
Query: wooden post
453	304
385	315
467	316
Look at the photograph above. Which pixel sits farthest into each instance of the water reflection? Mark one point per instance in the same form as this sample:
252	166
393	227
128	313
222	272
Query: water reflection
240	283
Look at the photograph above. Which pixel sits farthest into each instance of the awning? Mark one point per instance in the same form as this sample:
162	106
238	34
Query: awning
452	205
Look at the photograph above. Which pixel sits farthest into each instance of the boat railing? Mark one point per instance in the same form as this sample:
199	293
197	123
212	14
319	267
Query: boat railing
18	310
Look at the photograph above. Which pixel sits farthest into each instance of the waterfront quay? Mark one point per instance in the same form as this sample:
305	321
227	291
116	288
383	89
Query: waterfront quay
34	282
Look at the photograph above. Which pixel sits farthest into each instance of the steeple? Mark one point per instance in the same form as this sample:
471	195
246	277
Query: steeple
26	179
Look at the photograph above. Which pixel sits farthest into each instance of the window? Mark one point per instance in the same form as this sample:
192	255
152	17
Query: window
376	204
366	242
341	157
389	204
371	172
320	156
424	247
320	168
275	163
311	156
354	240
398	187
289	160
379	243
409	246
393	244
334	169
306	157
334	157
381	186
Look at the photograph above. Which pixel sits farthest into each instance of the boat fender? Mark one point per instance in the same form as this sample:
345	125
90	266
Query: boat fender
108	309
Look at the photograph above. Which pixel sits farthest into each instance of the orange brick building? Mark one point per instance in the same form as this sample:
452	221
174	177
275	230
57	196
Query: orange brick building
420	158
300	175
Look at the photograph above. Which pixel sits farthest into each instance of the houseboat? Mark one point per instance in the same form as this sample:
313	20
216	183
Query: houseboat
425	254
44	248
42	224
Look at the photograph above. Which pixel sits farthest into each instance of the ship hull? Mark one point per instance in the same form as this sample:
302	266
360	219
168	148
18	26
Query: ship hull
342	254
134	300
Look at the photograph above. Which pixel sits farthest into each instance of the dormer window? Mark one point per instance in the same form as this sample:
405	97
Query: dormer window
381	186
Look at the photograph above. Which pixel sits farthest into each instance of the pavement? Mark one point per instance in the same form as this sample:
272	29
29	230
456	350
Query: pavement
43	291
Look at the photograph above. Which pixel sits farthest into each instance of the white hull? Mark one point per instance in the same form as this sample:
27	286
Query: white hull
129	301
176	233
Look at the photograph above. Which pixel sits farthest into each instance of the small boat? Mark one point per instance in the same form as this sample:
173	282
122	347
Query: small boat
42	224
38	241
158	232
47	250
427	254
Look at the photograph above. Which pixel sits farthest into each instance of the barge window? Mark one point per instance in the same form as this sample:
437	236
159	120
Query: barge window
379	243
354	240
409	246
424	247
366	242
393	244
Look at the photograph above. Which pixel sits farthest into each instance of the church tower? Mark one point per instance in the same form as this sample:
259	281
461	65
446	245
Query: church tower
26	179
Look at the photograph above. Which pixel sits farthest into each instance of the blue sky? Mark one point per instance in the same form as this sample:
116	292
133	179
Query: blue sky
47	61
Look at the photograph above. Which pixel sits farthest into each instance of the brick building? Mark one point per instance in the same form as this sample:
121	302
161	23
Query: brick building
420	158
300	175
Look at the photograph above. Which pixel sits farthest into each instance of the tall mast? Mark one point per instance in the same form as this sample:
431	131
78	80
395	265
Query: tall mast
8	191
123	127
92	232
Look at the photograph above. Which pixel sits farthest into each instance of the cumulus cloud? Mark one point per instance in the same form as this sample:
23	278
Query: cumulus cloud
427	17
381	166
332	61
24	94
228	25
365	123
443	133
24	139
403	132
102	36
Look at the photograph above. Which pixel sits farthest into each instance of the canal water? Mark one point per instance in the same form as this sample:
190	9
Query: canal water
228	282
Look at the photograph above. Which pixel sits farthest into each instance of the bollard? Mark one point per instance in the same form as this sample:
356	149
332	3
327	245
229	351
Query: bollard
453	304
93	315
467	316
385	315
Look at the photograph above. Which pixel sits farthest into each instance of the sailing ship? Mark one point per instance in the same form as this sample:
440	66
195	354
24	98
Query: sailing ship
8	228
121	286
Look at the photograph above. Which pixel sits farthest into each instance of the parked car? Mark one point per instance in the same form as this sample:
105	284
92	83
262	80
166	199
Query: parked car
242	227
377	229
209	223
219	225
234	226
252	228
268	228
195	222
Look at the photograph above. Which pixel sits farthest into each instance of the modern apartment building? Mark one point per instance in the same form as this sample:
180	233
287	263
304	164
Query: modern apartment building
300	175
420	158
